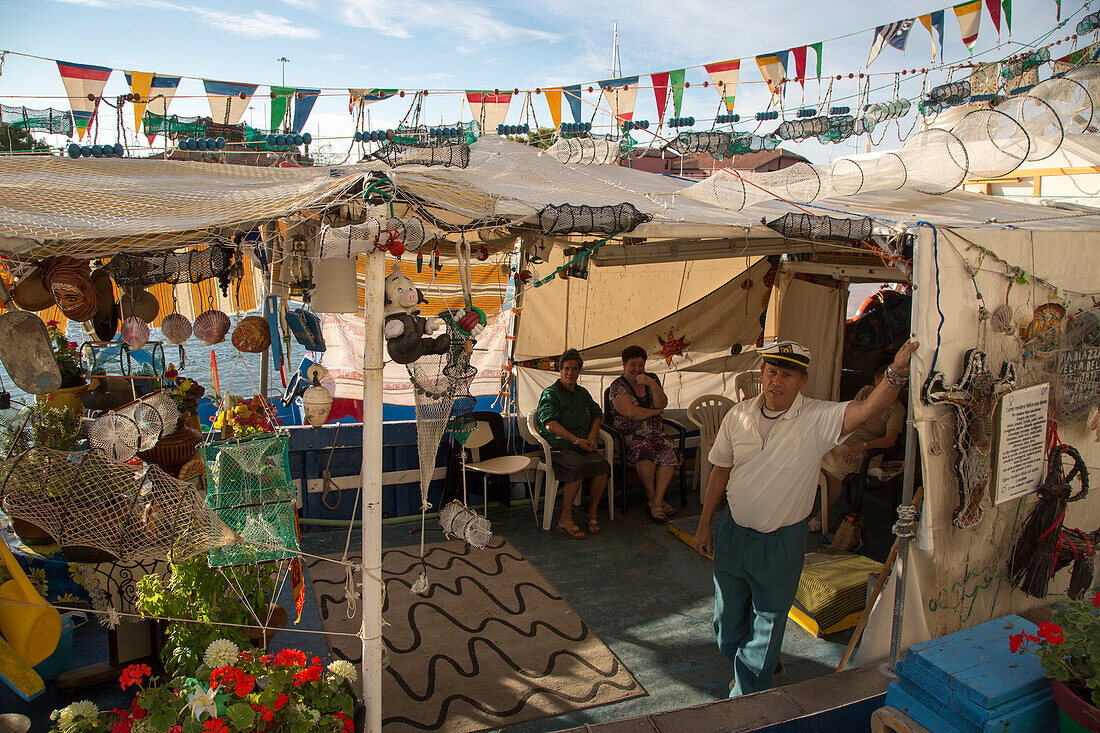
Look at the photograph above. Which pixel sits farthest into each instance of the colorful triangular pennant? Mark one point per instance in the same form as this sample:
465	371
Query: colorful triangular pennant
1006	8
228	100
773	67
969	15
676	81
660	92
360	98
280	102
489	108
621	94
82	81
553	100
994	8
724	76
892	34
933	23
800	65
573	96
817	49
304	99
154	92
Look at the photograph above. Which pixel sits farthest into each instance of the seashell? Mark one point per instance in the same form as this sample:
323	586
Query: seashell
252	335
211	326
140	303
135	332
176	328
1002	319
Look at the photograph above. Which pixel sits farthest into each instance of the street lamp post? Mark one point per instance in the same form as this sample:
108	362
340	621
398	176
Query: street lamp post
284	61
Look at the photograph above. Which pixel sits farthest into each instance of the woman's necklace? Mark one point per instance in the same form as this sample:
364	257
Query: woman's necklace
764	411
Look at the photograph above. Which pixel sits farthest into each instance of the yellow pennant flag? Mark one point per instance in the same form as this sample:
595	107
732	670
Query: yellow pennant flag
141	84
553	98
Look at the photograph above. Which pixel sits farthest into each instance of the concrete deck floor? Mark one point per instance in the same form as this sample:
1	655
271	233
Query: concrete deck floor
643	591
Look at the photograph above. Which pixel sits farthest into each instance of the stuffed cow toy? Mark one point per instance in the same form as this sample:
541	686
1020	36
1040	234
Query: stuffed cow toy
408	334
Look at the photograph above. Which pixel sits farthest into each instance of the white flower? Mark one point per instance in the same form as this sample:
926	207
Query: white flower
314	716
202	701
343	668
219	653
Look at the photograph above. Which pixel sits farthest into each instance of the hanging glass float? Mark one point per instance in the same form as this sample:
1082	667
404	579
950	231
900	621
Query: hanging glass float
211	326
316	400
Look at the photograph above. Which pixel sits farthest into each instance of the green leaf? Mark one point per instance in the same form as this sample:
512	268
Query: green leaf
241	715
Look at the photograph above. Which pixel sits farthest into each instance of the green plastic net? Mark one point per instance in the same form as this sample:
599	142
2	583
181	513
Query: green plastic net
248	486
175	127
54	121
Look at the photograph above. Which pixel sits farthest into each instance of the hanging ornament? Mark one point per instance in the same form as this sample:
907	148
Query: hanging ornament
176	328
135	332
251	335
69	281
316	400
482	253
211	326
672	346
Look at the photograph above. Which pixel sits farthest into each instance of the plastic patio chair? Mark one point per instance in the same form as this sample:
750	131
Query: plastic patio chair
544	472
706	413
747	385
482	435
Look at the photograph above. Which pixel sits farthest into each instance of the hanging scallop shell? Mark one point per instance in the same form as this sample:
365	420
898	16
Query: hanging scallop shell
211	326
135	332
176	328
252	335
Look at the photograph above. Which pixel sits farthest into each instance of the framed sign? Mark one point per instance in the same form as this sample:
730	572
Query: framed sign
1078	381
1021	442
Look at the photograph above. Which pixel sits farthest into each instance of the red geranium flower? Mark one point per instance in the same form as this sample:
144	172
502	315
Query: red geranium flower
290	658
1096	600
1014	642
176	729
216	725
1052	633
133	675
309	674
348	726
281	700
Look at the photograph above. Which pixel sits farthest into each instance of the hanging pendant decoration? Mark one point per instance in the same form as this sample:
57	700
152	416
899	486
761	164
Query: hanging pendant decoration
671	346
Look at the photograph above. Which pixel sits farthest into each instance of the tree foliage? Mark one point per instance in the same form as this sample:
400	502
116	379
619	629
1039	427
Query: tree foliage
16	139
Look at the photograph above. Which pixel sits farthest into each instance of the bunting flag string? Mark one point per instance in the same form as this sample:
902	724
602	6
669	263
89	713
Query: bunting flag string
573	96
82	81
676	81
817	49
553	99
360	98
892	34
489	108
304	99
660	92
280	101
1006	11
154	92
773	67
800	65
994	8
969	15
724	75
228	100
933	23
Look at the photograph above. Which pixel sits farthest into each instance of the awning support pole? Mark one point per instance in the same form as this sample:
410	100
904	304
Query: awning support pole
909	478
372	490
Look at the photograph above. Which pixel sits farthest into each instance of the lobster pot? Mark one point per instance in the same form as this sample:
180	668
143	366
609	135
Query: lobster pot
334	287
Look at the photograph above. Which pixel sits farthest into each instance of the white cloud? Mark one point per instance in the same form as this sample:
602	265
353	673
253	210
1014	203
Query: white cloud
254	24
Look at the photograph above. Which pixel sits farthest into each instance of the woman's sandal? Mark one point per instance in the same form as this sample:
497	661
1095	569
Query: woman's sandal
572	531
669	510
593	525
657	514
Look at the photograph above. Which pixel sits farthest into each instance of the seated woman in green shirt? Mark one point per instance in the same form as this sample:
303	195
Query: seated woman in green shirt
569	419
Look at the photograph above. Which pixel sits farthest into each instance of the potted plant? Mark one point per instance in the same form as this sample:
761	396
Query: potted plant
43	424
1069	650
73	385
231	690
201	593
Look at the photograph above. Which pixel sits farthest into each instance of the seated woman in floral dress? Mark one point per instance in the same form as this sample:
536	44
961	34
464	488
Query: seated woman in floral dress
637	402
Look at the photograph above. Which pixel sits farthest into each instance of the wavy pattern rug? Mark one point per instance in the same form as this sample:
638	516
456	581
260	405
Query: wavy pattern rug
491	644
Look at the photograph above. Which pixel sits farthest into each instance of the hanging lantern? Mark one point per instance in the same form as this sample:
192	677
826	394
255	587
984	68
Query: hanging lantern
301	270
316	400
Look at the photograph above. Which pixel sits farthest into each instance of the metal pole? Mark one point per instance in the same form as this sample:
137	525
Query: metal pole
372	490
910	470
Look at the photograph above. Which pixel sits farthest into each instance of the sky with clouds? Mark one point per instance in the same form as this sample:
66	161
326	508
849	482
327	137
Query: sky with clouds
459	44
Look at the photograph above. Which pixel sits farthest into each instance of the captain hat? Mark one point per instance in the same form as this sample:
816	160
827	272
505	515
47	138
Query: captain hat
786	354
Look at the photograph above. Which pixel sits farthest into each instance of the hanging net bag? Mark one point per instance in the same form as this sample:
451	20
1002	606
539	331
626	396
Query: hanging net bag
248	487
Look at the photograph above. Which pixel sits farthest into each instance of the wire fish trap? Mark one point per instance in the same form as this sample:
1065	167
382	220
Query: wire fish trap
585	150
462	523
116	511
185	267
249	488
584	219
822	228
446	153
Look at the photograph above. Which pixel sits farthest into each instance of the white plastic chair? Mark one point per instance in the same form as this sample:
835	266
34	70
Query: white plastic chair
480	436
706	413
544	472
747	385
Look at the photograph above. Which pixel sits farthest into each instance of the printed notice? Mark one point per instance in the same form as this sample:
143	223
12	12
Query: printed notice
1022	437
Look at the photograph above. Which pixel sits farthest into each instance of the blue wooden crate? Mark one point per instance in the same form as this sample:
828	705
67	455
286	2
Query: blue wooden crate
973	679
923	710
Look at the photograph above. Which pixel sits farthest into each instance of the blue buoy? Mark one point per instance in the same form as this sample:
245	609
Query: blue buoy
200	144
297	139
182	144
307	138
85	151
220	143
119	150
280	141
271	140
74	150
358	136
108	151
97	151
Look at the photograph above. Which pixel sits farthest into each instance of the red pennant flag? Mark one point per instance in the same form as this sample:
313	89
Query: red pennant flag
660	91
800	64
994	7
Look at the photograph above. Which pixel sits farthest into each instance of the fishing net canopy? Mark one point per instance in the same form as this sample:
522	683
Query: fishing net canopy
87	500
445	153
248	487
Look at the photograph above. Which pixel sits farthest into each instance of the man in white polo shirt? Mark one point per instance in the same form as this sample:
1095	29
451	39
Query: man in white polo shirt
766	458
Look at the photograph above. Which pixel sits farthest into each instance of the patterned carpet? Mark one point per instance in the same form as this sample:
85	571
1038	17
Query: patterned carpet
491	644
